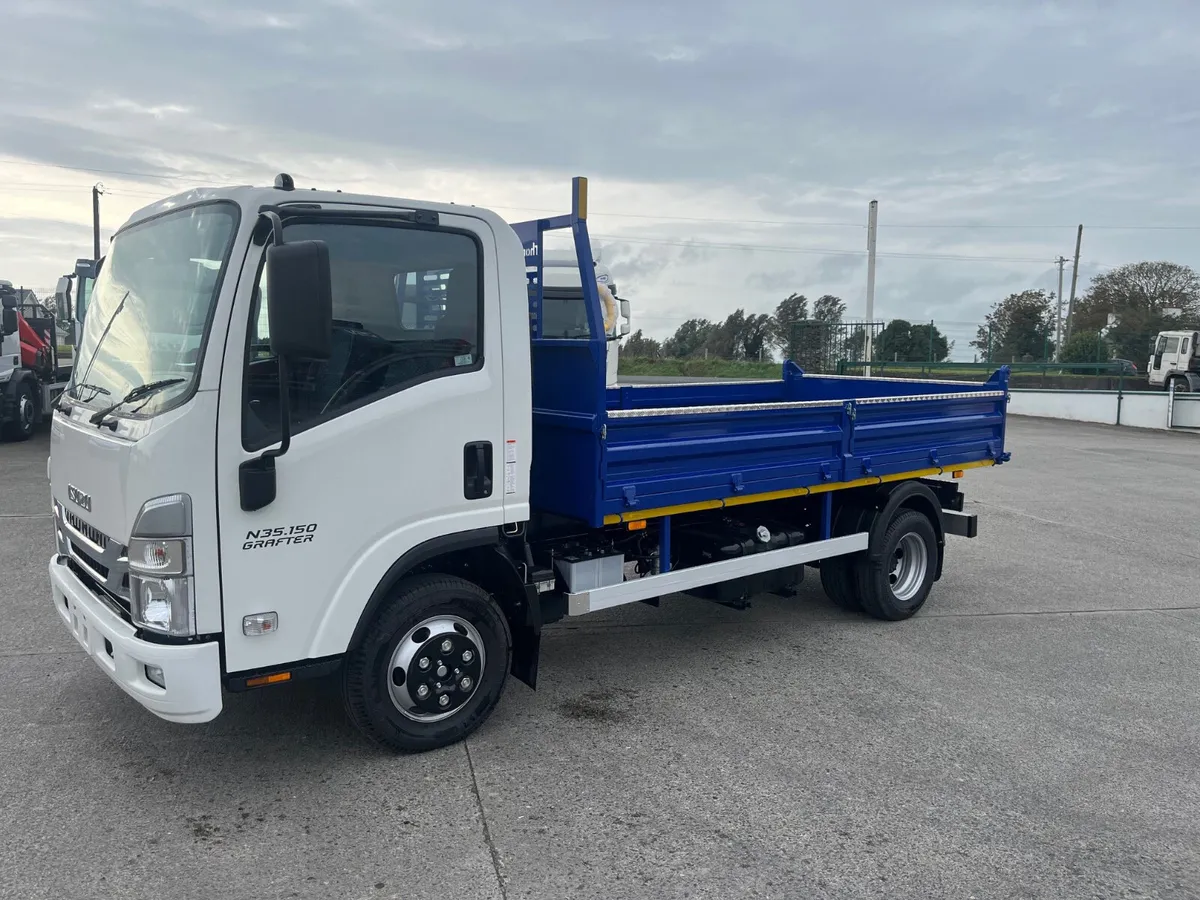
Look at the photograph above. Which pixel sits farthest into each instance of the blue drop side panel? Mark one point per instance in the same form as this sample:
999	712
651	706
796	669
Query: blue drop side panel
672	459
651	461
566	463
890	438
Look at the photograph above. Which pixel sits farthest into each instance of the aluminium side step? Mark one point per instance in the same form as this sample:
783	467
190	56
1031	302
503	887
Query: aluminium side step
727	569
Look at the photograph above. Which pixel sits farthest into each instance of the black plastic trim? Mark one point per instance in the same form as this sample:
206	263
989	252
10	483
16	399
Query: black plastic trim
235	682
961	524
422	553
425	217
871	509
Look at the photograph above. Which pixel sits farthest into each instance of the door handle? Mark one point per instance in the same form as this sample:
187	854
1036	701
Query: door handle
477	470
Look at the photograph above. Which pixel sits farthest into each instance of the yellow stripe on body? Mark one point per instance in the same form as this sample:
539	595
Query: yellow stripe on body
641	515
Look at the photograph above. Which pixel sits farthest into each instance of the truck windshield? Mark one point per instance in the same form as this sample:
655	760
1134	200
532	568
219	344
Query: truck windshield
150	308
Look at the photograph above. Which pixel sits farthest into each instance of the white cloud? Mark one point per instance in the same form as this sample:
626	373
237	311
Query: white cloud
703	125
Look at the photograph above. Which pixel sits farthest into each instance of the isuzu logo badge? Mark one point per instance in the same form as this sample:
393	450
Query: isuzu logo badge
79	498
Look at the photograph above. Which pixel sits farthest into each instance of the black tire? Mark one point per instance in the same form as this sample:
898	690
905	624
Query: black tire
1182	385
19	427
876	582
367	673
837	578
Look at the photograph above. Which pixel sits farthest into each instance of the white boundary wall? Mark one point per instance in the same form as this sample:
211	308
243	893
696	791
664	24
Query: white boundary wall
1138	409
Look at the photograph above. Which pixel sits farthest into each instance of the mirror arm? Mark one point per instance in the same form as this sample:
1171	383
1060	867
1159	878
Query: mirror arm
285	414
276	226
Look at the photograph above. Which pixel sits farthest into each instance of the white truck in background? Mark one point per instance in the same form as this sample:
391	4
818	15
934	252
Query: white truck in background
563	306
1175	361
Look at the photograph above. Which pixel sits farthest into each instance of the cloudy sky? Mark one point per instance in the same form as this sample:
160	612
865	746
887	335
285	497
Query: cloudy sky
732	147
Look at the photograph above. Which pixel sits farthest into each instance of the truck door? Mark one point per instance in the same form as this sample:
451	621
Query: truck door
396	439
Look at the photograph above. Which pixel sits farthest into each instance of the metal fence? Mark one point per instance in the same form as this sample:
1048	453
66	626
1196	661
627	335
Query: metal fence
1112	375
820	347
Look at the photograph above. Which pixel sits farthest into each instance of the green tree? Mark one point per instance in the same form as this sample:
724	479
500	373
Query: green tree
1019	326
1138	296
907	342
642	347
793	309
829	309
756	337
689	338
1084	347
740	336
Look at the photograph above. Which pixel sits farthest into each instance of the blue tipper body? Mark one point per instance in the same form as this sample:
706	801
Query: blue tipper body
633	449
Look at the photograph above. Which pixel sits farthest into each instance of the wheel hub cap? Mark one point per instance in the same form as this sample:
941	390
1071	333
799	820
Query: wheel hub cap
436	668
909	562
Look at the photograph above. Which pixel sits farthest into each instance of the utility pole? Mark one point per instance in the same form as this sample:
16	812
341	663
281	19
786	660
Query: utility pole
1058	318
872	232
1074	280
97	190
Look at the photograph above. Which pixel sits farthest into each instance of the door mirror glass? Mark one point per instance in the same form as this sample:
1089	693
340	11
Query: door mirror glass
9	325
299	300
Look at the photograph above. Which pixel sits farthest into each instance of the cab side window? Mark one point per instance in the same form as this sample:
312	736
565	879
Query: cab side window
407	308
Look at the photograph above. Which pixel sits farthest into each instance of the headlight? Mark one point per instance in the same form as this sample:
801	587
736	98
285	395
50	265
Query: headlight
160	586
162	604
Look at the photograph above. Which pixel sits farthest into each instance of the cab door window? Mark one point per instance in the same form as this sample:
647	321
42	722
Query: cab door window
407	308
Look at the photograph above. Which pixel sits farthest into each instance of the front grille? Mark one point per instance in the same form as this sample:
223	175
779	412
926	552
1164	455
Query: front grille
90	532
89	560
118	604
100	558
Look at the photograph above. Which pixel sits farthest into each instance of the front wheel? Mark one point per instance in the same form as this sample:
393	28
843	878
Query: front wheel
897	585
1182	385
432	666
20	427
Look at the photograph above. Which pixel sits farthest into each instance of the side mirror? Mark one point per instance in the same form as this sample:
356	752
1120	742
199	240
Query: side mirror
300	300
8	300
300	314
9	324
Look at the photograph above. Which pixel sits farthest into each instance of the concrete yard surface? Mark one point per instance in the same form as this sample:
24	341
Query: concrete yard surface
1034	732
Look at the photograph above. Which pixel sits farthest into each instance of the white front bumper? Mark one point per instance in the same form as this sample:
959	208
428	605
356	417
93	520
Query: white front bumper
191	672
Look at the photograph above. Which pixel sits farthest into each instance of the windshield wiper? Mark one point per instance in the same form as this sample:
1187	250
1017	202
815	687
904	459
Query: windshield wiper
63	400
97	389
142	390
103	335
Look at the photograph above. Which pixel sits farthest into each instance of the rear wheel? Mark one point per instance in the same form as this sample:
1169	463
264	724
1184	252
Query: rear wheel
897	585
24	414
837	578
432	666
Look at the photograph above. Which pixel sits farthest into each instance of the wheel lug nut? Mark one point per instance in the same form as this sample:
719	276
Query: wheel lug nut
466	683
441	671
444	700
423	662
467	656
423	691
447	646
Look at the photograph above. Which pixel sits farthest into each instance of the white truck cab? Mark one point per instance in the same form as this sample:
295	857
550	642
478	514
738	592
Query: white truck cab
175	589
1175	361
563	304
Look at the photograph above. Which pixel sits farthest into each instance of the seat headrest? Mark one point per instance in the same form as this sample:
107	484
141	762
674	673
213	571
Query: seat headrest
461	317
